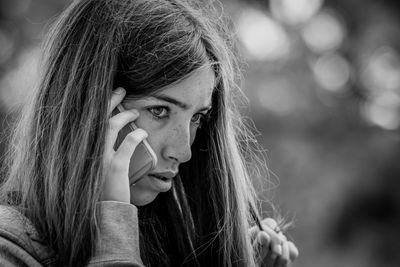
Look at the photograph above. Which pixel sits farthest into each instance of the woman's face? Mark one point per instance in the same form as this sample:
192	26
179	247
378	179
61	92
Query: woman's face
171	119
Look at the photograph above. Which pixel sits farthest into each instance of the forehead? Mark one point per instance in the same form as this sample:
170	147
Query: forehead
195	90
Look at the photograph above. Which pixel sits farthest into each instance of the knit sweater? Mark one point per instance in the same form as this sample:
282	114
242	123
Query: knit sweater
117	243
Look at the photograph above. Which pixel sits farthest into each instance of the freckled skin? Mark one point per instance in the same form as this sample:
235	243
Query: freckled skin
171	137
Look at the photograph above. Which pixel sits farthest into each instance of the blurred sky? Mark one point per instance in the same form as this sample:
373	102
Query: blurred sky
323	82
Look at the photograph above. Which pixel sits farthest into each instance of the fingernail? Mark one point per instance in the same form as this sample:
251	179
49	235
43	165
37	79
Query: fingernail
134	111
278	249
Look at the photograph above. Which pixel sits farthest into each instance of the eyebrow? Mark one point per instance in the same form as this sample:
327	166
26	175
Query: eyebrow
177	102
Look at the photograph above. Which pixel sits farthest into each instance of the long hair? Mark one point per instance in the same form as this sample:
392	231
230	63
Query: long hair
55	160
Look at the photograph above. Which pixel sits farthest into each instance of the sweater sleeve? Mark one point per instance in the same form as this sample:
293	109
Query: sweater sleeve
118	239
11	254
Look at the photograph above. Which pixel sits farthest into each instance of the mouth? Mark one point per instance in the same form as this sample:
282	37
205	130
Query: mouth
160	183
159	177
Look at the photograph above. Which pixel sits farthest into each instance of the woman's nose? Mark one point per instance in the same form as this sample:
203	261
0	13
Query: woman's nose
177	147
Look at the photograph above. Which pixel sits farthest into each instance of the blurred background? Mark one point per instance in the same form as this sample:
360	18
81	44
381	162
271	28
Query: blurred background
323	82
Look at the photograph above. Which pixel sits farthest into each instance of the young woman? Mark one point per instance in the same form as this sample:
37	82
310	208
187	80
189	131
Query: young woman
67	199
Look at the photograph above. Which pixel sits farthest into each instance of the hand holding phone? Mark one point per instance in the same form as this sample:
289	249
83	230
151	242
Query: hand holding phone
143	159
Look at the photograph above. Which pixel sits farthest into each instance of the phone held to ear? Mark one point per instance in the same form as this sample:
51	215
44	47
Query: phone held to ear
143	159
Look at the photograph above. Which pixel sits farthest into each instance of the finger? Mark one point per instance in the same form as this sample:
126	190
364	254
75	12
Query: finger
270	259
116	98
253	232
116	123
276	240
129	144
271	226
293	251
283	260
261	245
271	223
282	236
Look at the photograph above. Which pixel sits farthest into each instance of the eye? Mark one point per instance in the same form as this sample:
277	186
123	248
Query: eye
197	118
200	118
159	112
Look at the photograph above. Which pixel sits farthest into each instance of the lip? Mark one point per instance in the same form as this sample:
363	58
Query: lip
160	185
166	174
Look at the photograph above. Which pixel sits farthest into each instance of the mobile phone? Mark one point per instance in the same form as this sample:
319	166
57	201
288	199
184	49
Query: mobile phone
143	159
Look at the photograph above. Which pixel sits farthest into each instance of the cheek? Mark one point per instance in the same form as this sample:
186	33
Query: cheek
159	138
147	123
172	137
153	129
160	135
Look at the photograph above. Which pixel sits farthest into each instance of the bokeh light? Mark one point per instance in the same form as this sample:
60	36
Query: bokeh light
381	78
382	71
295	11
383	111
277	96
262	37
324	32
18	82
332	72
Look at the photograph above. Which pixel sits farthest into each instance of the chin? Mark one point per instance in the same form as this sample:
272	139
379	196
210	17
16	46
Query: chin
142	199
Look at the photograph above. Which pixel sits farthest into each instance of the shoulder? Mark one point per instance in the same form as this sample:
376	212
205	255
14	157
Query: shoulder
17	230
13	222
